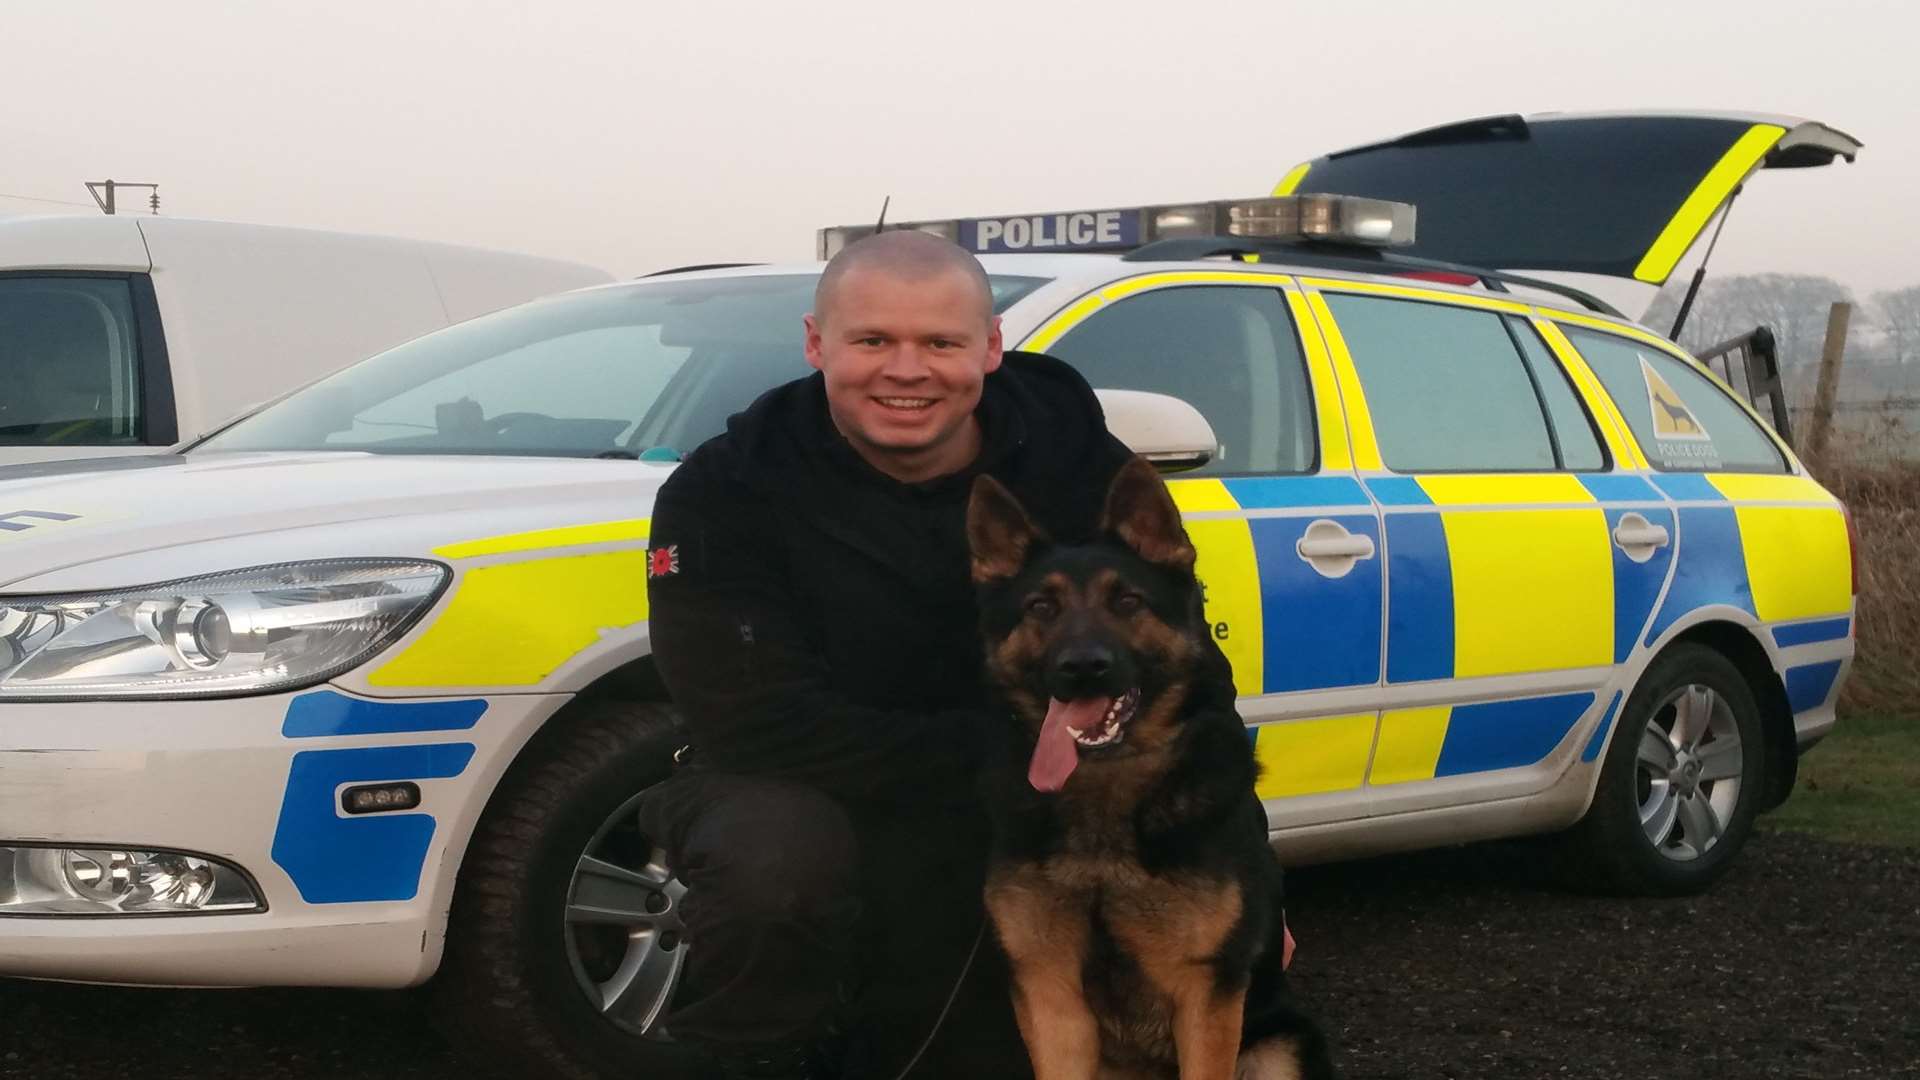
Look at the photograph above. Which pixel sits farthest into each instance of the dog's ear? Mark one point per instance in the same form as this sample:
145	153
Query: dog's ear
1141	513
999	533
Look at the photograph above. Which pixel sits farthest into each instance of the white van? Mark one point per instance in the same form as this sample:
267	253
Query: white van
123	335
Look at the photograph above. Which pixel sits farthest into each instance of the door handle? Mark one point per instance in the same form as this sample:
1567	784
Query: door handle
1350	546
1331	550
1638	537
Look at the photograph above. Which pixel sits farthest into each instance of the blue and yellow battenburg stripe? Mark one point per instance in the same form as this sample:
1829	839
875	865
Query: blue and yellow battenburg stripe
1453	740
1340	753
1771	545
1511	574
1282	625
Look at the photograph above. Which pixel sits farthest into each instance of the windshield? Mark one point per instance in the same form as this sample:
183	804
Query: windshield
652	369
69	365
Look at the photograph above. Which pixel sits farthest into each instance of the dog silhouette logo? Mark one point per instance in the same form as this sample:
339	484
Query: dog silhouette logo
1671	417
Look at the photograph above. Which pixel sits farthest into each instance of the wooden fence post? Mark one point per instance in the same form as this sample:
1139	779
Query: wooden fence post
1822	424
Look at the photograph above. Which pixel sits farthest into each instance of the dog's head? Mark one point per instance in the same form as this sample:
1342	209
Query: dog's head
1093	645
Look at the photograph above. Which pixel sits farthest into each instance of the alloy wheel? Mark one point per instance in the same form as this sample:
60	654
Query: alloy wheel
625	939
1688	772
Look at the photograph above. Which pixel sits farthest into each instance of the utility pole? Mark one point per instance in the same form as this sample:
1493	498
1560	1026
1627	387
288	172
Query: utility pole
102	192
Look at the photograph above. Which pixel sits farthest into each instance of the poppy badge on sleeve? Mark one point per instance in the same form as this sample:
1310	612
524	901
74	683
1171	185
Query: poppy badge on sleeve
662	561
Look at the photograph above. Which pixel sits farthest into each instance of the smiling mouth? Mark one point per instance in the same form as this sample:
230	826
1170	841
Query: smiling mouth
906	404
1111	725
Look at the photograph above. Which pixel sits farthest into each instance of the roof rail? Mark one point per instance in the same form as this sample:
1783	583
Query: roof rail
1344	257
696	266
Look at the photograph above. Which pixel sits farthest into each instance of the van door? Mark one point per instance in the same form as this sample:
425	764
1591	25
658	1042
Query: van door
1289	544
83	367
1497	492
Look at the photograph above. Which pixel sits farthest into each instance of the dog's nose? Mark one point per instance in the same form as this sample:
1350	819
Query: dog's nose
1084	664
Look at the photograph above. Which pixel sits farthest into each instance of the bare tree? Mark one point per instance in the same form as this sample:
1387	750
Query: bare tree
1712	320
1899	317
1794	306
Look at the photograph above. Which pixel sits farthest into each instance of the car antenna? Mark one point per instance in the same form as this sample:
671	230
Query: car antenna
881	225
1700	272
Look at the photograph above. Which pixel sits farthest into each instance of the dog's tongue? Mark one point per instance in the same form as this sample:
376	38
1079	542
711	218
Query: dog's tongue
1056	754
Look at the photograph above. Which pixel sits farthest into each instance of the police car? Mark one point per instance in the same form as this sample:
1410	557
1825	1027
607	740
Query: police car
357	690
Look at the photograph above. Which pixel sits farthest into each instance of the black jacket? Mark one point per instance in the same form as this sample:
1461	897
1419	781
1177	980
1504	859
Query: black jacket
813	617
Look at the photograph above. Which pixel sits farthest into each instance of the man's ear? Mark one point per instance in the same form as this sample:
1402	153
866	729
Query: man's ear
815	350
1141	513
999	533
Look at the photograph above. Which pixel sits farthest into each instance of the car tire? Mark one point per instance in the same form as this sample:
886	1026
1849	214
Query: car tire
1680	783
513	991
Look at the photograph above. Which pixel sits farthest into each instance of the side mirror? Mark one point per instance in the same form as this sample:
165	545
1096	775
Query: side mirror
1165	430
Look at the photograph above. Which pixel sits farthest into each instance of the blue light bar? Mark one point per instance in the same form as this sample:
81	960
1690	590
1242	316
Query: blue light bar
1321	217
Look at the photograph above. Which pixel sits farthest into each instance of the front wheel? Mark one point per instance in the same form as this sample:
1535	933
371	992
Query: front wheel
565	944
1681	780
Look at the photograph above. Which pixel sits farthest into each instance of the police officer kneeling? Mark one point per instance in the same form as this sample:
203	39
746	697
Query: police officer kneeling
814	621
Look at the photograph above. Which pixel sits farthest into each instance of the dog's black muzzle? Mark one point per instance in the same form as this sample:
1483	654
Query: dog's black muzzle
1085	665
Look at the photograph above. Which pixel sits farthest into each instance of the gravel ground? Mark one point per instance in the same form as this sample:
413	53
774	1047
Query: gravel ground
1803	962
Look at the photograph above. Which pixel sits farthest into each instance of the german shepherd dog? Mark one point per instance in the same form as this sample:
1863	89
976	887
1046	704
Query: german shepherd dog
1131	884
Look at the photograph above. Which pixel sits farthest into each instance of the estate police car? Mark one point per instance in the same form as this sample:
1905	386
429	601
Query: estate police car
357	689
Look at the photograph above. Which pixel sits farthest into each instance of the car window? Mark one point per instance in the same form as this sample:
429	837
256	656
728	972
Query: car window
654	368
598	374
69	362
1574	435
1446	386
1229	351
1682	421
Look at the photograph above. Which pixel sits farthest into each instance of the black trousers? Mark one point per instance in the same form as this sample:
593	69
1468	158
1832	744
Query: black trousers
799	908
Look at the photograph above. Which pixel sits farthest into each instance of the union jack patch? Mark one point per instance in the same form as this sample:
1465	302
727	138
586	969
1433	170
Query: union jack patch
662	561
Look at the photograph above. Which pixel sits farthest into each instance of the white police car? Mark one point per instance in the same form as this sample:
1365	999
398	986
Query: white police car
343	695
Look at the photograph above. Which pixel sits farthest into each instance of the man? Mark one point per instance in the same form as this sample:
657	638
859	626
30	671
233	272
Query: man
818	633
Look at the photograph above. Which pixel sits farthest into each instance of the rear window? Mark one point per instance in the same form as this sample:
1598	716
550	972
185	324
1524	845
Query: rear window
69	362
1682	421
1446	387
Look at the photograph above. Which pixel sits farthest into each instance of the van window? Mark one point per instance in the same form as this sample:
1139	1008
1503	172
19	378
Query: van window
1445	385
69	362
1682	421
1229	351
1573	431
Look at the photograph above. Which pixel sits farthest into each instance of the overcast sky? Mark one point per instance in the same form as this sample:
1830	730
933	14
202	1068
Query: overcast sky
637	135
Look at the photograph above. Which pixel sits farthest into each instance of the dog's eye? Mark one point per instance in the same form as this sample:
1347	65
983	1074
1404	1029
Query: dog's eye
1129	602
1043	608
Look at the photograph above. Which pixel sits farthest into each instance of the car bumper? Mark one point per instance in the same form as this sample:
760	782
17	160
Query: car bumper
349	900
1813	677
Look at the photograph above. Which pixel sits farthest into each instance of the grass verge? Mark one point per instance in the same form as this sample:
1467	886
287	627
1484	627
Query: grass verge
1861	784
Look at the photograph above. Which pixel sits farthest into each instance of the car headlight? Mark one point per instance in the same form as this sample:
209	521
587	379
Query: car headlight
254	631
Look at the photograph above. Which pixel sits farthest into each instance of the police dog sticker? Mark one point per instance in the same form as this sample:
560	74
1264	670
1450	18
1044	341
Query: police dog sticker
1671	417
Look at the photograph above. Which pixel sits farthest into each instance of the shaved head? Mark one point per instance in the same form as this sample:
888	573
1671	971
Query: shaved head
904	336
904	255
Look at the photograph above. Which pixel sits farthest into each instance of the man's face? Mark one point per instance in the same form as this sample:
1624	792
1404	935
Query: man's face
904	360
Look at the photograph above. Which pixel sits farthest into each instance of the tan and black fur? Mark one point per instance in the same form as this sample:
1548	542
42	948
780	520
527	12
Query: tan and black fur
1139	906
